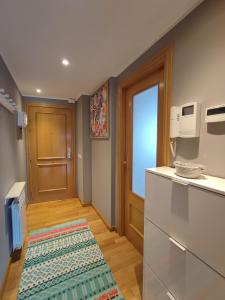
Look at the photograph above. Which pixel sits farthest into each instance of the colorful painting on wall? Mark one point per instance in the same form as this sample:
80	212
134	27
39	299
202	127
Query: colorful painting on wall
99	113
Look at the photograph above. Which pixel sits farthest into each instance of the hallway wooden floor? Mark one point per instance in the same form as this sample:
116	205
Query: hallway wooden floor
124	260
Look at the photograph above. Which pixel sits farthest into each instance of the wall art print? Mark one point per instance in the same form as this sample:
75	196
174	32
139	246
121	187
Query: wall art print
99	113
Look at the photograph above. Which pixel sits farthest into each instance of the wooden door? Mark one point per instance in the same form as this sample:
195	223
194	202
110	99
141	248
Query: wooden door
50	152
134	199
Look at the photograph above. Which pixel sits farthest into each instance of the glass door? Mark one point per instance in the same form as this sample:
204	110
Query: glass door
144	146
143	143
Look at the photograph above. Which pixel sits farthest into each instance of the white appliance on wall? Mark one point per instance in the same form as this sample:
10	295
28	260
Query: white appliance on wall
215	114
189	121
174	121
21	119
185	122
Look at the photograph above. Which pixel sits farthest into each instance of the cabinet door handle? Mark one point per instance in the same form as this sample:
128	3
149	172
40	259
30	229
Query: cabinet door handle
170	296
177	244
180	182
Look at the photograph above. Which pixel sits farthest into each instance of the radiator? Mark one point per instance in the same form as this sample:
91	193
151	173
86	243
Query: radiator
16	199
18	220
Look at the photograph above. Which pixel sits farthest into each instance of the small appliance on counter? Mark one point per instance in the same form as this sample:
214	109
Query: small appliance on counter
188	170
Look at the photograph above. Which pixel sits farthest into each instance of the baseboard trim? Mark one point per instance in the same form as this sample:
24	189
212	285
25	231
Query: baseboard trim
110	228
84	204
5	278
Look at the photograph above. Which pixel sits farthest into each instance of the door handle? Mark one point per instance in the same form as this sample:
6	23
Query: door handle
68	153
170	296
177	244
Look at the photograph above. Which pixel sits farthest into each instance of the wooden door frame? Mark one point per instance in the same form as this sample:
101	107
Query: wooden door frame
48	105
162	60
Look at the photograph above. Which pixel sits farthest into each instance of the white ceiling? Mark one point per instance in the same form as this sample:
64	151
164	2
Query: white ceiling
100	38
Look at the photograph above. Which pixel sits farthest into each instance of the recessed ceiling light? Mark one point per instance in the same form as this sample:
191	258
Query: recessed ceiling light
65	62
38	91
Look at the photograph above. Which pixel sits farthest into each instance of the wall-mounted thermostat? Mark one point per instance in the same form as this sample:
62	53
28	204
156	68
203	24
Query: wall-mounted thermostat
189	122
215	114
21	119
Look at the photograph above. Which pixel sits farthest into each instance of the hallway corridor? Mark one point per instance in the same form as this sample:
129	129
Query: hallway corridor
123	259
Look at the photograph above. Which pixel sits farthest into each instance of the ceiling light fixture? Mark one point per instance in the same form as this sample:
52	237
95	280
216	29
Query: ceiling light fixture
38	91
65	62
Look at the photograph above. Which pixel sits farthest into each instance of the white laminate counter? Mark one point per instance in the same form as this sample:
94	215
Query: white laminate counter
211	183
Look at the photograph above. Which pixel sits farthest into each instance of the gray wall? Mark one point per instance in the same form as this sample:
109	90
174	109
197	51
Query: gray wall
199	75
83	150
79	150
103	166
12	159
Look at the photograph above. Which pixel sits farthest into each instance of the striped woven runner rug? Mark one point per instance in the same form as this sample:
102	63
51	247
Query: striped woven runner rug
65	262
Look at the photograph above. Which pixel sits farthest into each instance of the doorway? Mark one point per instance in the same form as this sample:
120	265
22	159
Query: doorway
144	108
143	139
50	152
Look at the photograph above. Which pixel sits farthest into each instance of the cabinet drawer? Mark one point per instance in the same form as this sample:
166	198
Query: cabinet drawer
182	273
192	215
153	289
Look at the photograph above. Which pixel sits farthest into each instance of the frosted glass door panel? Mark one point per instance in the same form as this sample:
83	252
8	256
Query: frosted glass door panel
145	116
